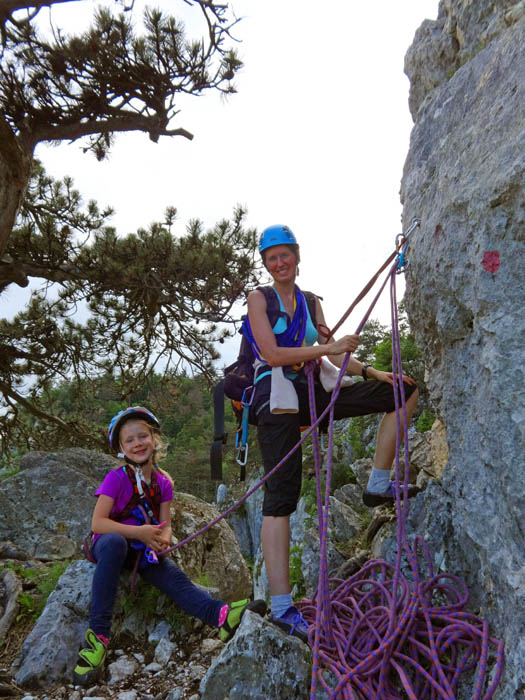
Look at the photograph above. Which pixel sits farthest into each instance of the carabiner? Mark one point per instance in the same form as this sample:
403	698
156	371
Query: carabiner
242	455
402	240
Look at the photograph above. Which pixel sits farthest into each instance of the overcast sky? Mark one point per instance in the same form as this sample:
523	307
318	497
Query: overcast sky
315	138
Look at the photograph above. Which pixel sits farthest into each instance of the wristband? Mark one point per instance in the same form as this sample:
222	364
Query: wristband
363	372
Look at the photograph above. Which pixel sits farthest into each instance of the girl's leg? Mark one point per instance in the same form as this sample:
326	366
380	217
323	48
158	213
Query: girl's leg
110	551
169	579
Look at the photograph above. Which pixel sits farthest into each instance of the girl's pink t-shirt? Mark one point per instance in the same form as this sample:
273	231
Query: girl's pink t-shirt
117	485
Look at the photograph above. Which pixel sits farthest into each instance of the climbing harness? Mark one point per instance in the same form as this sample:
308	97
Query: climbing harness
388	632
240	378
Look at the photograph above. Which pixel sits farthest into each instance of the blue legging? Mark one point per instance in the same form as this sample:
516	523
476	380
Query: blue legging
111	551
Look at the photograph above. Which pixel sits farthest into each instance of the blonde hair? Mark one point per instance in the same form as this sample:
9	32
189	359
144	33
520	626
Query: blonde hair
162	449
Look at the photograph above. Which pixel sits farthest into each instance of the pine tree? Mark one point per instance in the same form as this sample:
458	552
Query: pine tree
118	307
107	80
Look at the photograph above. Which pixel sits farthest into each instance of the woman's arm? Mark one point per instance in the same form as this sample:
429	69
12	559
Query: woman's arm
101	524
276	356
354	366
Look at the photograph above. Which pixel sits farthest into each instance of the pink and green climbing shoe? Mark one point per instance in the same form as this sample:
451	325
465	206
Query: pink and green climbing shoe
90	661
235	613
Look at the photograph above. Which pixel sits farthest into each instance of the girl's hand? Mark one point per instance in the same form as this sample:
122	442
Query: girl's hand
166	541
386	376
348	343
152	537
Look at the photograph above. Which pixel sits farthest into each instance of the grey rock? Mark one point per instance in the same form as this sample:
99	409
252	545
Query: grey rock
49	653
175	694
135	625
159	630
214	554
10	589
164	651
259	662
154	667
351	495
122	668
47	505
128	695
222	493
464	177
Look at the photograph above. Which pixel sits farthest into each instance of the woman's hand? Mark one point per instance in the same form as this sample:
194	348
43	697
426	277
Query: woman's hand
152	537
386	376
348	343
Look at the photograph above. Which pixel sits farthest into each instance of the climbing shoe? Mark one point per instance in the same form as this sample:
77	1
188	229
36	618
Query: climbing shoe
90	661
372	500
293	623
235	613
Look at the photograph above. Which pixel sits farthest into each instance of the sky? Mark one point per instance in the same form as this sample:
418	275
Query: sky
315	138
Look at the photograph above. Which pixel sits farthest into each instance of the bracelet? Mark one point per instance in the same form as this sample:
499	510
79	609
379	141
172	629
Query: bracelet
363	372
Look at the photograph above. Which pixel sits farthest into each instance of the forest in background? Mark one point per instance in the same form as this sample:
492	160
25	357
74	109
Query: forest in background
184	407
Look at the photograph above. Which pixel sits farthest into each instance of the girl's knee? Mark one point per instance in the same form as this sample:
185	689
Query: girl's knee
111	544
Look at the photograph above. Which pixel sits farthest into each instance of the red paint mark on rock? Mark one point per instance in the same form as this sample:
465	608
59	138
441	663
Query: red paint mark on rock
439	232
490	261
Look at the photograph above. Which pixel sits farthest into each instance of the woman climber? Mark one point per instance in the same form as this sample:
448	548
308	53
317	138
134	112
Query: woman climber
131	525
280	406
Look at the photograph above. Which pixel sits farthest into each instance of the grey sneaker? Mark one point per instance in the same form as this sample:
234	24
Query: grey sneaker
372	500
292	622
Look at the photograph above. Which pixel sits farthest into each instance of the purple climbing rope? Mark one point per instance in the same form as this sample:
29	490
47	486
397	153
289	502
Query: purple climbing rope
387	632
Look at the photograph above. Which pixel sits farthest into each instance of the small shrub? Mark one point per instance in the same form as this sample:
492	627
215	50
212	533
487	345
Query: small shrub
425	421
296	571
28	607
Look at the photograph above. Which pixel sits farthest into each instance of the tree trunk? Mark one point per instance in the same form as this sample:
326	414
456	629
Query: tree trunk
15	168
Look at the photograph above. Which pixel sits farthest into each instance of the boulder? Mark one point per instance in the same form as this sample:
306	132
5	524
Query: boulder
213	558
46	507
260	662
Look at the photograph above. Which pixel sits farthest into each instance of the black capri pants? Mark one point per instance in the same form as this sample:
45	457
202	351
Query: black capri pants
278	433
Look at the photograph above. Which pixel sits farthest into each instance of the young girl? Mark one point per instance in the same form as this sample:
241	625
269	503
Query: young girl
131	523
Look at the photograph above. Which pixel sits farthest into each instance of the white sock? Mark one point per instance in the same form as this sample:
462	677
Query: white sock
379	480
280	604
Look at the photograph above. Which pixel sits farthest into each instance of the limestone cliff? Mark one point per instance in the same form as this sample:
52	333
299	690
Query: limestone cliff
464	177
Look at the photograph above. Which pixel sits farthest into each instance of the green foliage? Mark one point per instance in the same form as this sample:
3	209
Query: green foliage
28	607
296	571
425	421
151	298
47	583
355	436
373	333
149	602
44	579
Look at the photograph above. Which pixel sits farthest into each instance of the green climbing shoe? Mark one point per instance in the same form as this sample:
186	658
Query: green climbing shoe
90	661
235	613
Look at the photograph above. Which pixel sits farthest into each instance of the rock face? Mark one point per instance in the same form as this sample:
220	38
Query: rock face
464	178
46	508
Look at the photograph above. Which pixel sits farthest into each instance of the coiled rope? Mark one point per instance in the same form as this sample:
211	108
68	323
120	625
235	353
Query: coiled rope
384	634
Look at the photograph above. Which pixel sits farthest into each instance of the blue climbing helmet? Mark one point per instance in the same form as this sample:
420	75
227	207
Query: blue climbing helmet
117	422
276	235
